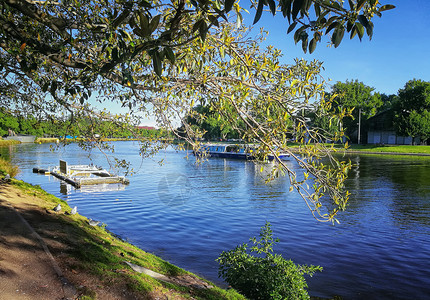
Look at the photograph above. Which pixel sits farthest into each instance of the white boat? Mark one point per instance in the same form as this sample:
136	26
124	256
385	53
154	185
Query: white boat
233	151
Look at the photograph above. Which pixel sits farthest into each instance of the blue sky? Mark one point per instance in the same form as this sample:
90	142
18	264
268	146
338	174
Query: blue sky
398	52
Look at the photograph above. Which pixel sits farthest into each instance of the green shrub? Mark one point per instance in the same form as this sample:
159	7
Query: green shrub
7	168
264	275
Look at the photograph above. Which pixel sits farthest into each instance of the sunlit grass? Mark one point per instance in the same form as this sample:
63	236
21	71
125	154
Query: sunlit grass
8	142
7	167
392	148
46	140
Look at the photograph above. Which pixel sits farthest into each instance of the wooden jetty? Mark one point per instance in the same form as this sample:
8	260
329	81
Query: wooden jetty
78	175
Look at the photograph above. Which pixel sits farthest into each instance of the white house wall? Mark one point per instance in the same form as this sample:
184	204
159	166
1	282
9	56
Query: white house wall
389	137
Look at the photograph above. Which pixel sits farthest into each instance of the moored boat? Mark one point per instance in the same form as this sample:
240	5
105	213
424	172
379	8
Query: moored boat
233	151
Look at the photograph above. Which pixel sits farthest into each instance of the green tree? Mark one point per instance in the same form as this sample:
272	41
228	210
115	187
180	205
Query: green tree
163	58
388	101
412	110
358	99
213	124
8	122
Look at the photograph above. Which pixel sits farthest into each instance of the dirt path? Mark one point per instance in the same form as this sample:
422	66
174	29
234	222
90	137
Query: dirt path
26	270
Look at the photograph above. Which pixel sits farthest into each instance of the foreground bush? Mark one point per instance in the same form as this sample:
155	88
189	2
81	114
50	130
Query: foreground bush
264	275
7	168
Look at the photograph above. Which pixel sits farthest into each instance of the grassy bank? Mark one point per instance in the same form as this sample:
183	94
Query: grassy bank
46	140
8	142
379	149
93	255
391	149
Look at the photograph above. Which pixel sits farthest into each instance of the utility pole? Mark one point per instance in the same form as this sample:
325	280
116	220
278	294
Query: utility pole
359	125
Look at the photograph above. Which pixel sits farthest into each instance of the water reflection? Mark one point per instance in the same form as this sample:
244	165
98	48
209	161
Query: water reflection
67	189
398	184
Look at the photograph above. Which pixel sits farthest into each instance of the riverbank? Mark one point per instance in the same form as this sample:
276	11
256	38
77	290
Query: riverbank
417	150
390	149
54	255
8	142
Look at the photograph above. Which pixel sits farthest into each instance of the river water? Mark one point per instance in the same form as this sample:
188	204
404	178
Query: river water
188	214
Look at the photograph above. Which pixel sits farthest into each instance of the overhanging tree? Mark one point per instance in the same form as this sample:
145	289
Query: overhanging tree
163	58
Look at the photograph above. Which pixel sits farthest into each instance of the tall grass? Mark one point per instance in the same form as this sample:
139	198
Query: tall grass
46	140
7	168
8	142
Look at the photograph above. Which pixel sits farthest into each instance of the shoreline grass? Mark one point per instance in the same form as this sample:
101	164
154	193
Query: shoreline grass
8	142
7	168
46	140
390	149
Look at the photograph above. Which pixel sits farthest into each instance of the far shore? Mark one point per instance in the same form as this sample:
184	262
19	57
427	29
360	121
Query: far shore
412	150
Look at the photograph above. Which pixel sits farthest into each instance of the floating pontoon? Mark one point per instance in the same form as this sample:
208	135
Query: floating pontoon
78	175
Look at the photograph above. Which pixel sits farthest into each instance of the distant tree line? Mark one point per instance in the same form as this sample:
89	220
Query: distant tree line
15	123
353	101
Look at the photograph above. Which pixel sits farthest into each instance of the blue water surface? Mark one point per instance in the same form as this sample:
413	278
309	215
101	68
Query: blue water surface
189	213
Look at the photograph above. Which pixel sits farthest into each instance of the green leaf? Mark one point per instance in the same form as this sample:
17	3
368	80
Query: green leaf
259	11
332	26
214	20
312	45
360	30
286	9
304	38
45	87
360	4
114	54
154	23
317	9
298	35
353	32
363	20
349	25
297	5
53	87
170	54
337	36
272	6
291	27
369	30
196	25
203	30
386	7
228	5
156	62
143	19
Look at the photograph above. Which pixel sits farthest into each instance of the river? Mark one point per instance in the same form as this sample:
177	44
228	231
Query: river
188	214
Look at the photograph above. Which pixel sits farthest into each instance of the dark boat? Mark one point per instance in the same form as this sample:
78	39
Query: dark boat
232	151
